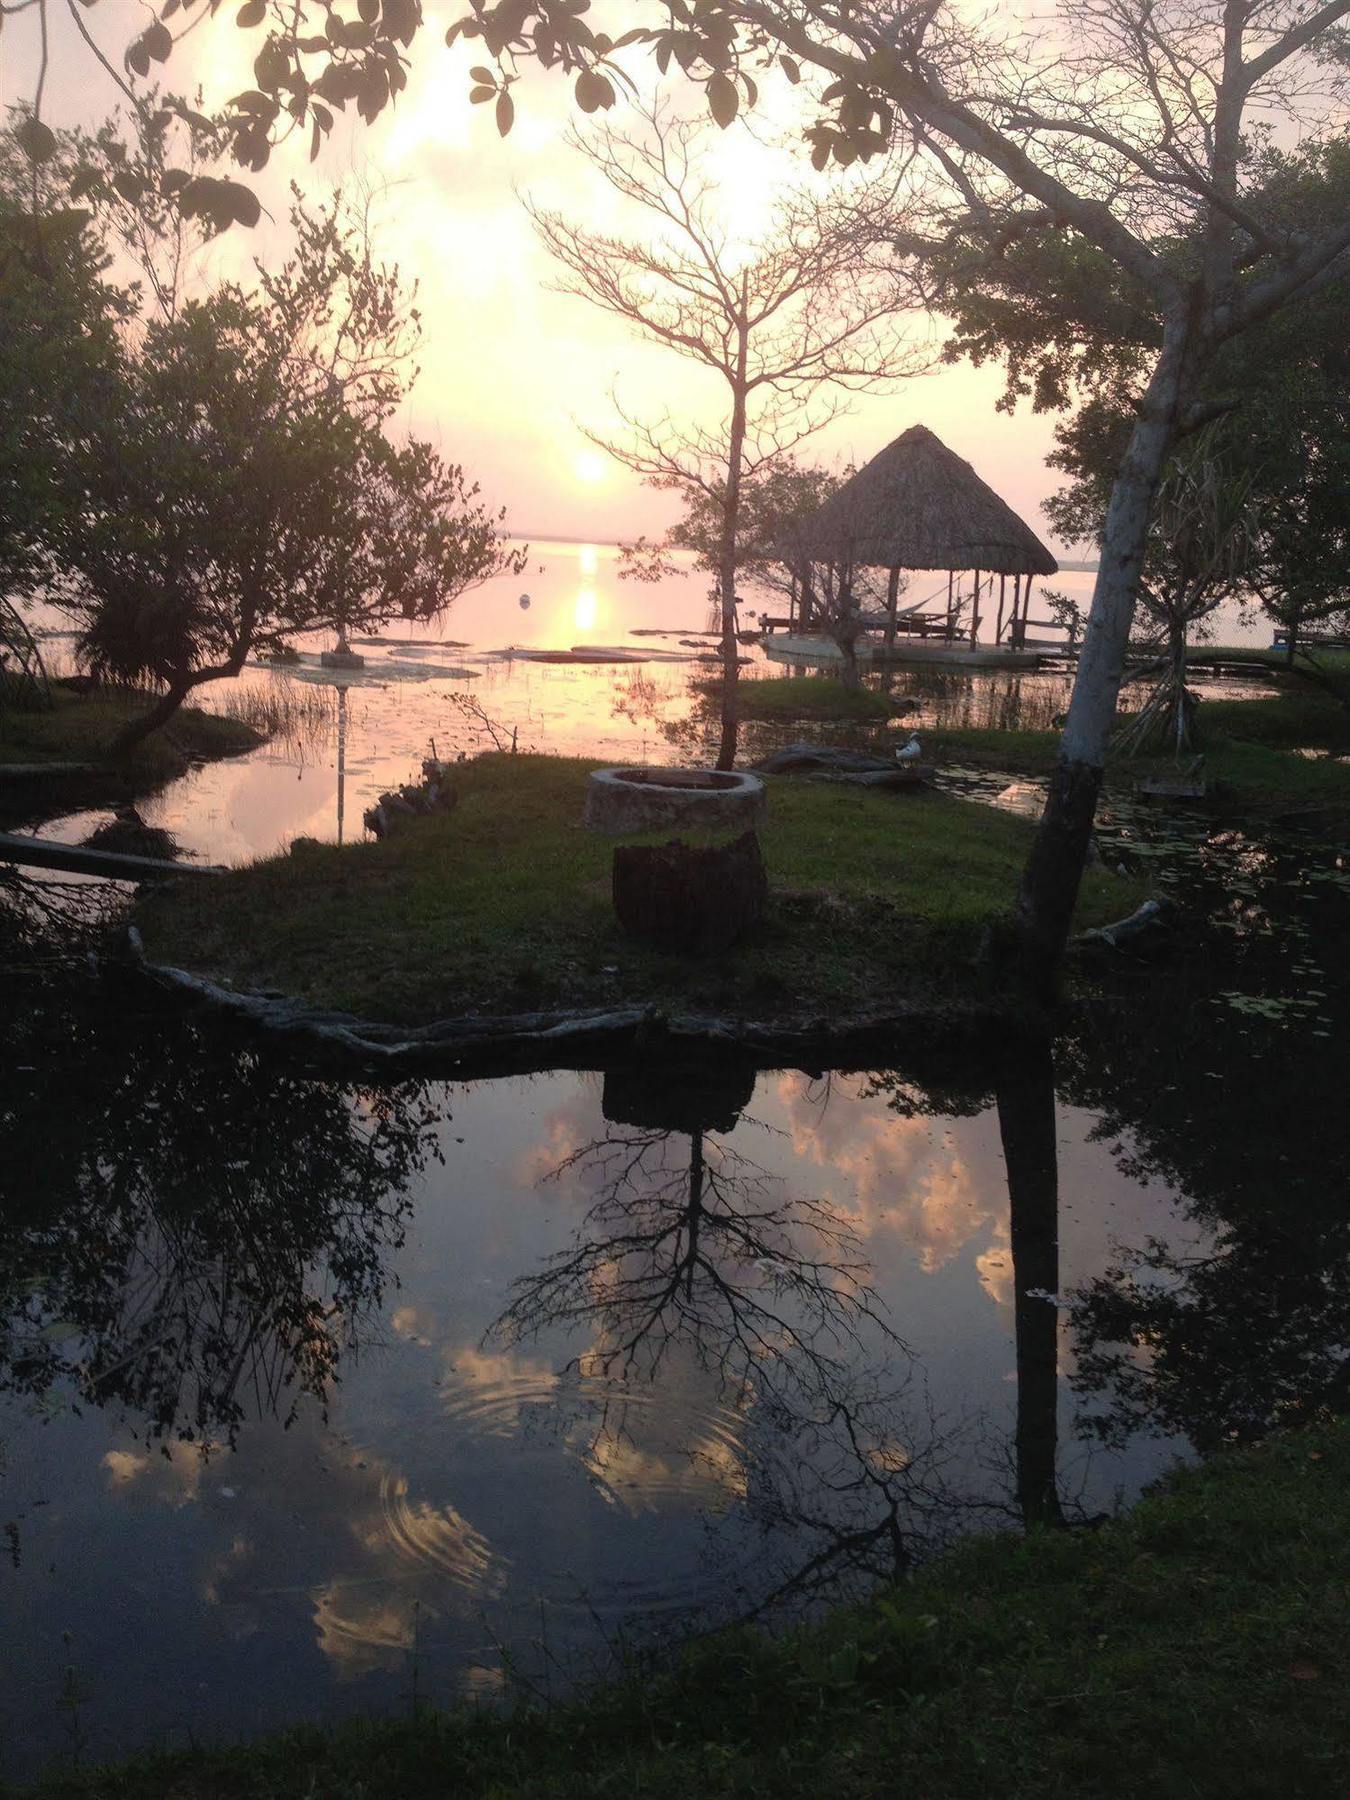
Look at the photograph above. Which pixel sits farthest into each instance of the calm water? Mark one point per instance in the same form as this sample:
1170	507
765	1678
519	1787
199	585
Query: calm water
462	1385
316	1398
353	743
320	1398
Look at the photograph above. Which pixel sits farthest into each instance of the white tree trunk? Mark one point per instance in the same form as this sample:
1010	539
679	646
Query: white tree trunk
1054	869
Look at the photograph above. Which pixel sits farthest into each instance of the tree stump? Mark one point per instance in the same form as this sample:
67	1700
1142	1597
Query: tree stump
677	897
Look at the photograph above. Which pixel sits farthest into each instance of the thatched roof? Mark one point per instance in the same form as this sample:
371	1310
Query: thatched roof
917	505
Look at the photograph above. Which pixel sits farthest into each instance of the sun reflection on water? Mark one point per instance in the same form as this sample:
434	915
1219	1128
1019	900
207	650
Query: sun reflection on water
586	609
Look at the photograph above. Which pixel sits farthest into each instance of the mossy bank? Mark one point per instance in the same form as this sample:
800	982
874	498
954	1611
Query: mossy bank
1193	1650
64	750
505	905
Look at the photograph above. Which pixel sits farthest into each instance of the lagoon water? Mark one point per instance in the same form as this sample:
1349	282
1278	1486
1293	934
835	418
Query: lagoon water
323	1396
356	742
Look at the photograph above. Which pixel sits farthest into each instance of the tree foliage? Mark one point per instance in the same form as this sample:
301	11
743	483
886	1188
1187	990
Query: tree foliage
59	320
1279	424
204	482
772	501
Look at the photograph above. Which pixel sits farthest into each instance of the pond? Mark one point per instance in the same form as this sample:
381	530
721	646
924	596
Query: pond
319	1397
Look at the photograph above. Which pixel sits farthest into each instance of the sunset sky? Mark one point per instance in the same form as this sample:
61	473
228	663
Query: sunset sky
510	369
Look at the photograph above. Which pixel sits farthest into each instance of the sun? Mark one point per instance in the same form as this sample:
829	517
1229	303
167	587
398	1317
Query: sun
590	468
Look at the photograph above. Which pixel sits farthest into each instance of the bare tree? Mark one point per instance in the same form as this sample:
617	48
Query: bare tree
779	321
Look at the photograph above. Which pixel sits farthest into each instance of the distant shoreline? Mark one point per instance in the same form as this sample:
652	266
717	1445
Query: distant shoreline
603	543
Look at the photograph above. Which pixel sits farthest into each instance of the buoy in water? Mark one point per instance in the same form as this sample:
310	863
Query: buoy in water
524	602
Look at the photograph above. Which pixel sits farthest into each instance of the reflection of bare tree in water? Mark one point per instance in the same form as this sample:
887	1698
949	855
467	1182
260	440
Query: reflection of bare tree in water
689	1246
191	1228
688	1241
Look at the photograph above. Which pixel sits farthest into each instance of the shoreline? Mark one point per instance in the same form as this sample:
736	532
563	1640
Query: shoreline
479	1046
1190	1646
880	905
54	761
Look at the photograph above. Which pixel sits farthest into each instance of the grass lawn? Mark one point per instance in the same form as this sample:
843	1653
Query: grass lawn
804	697
1193	1650
79	728
504	905
1250	752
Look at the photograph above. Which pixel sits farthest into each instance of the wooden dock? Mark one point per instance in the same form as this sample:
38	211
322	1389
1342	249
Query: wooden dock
794	647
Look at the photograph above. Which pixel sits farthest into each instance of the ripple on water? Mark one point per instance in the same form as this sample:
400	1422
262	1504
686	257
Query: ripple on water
494	1498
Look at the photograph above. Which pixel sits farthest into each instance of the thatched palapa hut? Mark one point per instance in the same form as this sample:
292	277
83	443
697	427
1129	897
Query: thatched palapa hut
917	505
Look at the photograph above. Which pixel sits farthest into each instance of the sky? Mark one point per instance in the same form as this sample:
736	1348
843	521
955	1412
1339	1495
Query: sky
511	371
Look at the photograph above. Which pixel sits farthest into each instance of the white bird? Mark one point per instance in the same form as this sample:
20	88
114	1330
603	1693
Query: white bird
907	753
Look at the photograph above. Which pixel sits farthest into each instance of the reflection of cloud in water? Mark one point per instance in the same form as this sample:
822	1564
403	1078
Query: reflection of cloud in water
648	1448
392	1556
565	1129
170	1477
415	1325
903	1179
491	1387
643	1448
995	1267
418	1559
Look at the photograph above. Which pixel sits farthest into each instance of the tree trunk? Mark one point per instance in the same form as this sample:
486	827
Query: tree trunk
695	1214
726	570
1025	1096
1178	722
892	606
1050	881
135	731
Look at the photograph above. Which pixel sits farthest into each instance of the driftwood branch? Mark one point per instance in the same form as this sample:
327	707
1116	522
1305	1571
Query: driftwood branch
575	1037
1147	921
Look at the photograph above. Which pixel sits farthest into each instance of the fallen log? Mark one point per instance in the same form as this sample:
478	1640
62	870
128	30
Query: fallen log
76	859
814	758
572	1038
1148	921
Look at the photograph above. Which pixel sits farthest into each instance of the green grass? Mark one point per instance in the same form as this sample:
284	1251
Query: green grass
1020	752
1249	750
806	697
504	905
80	728
1193	1650
1302	719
